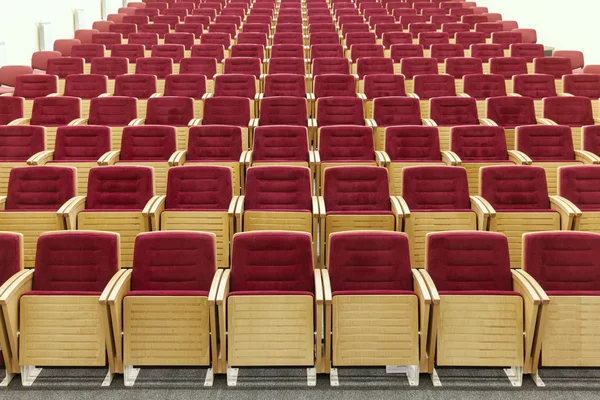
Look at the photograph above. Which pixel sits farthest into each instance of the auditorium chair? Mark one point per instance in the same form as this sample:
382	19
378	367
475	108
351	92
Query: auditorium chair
186	285
238	85
454	28
140	86
341	110
187	85
285	287
479	146
584	85
508	67
63	67
555	66
428	86
459	67
472	287
356	198
285	110
31	86
572	111
536	86
86	87
53	187
18	144
333	85
381	85
160	67
286	85
517	201
389	39
74	273
118	200
577	184
11	108
223	39
111	67
483	86
469	38
528	51
411	66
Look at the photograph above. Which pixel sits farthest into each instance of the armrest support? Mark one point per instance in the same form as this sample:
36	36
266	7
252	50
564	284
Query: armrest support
397	211
545	121
214	287
371	123
430	337
450	158
196	122
20	121
222	294
212	297
2	202
138	122
239	214
382	158
519	158
586	157
69	211
178	158
424	297
428	122
484	210
413	96
153	209
110	157
487	122
569	212
231	216
403	206
115	311
328	316
78	122
207	96
9	304
41	158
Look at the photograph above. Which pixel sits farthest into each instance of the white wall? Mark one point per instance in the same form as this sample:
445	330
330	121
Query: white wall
18	19
564	25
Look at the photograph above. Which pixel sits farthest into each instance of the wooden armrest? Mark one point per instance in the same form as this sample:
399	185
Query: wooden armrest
156	95
316	157
253	124
119	290
534	285
397	208
371	123
239	212
428	122
243	158
259	96
362	96
381	158
106	95
214	287
569	212
484	211
463	95
403	206
110	286
178	158
413	96
356	78
565	95
596	121
79	122
433	293
20	121
586	157
318	288
450	158
9	305
7	94
153	209
196	122
310	96
322	210
326	286
223	290
519	158
2	202
207	96
312	123
420	287
487	122
110	157
523	287
545	121
41	158
69	211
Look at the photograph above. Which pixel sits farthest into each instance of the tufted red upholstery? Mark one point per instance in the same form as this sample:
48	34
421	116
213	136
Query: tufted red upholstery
326	50
55	111
287	50
109	66
454	28
412	66
416	28
383	85
508	66
252	38
280	143
248	51
365	50
19	142
140	86
545	142
482	86
266	262
65	66
199	188
591	138
319	27
569	110
515	188
64	46
174	52
285	85
34	85
334	85
449	111
223	27
441	52
427	39
193	28
489	28
287	38
243	65
178	263
579	184
186	85
10	255
112	111
374	65
281	188
387	27
238	85
340	111
349	27
511	111
586	85
148	143
563	263
449	22
130	51
11	108
506	39
147	39
137	20
353	38
286	65
555	66
469	262
290	20
119	188
41	188
170	110
214	143
470	38
442	188
85	86
197	66
460	66
412	143
87	51
486	51
283	110
473	19
210	50
108	39
330	65
81	143
196	19
324	38
479	143
360	189
75	261
227	111
342	143
391	38
429	86
389	111
182	38
221	38
528	51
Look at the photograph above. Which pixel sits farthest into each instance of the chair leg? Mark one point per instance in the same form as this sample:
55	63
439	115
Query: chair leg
108	378
7	379
130	374
412	374
210	378
333	377
232	374
435	379
515	375
537	379
311	376
28	374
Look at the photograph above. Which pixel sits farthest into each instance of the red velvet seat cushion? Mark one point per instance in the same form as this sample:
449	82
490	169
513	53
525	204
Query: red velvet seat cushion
586	85
206	66
383	85
19	142
412	143
373	293
284	188
515	188
226	111
580	184
478	293
154	293
243	65
360	188
65	66
109	66
292	85
81	143
11	108
342	143
199	188
440	188
119	188
148	143
39	188
508	66
112	111
61	293
207	50
270	293
511	111
283	110
451	111
569	110
374	65
55	111
140	86
31	86
238	85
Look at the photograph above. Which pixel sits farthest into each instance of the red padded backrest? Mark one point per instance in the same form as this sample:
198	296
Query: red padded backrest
280	188
334	85
388	39
10	255
439	20
286	65
514	188
545	142
511	111
272	261
528	51
174	52
170	110
116	187
285	85
454	28
287	38
326	50
429	86
440	188
42	188
386	27
375	20
280	143
330	65
223	27
469	38
283	110
591	138
85	86
248	51
384	85
88	51
243	65
505	39
221	38
346	143
353	38
399	52
365	50
287	50
536	86
412	143
199	187
130	51
580	184
469	261
137	20
54	111
473	19
555	66
185	85
229	19
214	143
340	111
238	85
508	66
39	61
227	111
569	110
185	39
19	142
406	20
209	50
416	28
252	38
374	65
412	66
486	51
479	143
358	189
427	39
174	261
140	86
198	66
586	85
11	108
148	143
289	19
33	85
458	67
563	261
196	19
75	261
454	111
81	143
389	111
196	29
64	46
349	27
147	39
443	51
482	86
489	28
110	66
65	66
112	111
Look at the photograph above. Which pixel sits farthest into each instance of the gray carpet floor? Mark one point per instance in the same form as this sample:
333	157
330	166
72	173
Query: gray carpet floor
290	384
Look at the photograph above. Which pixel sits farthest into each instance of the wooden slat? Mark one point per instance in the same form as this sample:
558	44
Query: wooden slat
83	171
551	169
5	168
